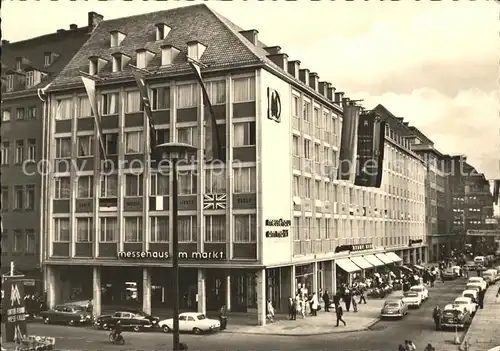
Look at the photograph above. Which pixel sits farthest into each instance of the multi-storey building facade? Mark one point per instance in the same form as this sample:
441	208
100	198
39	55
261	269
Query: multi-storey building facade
274	218
27	66
438	195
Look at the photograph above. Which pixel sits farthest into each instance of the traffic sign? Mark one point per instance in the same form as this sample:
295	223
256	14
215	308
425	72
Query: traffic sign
14	309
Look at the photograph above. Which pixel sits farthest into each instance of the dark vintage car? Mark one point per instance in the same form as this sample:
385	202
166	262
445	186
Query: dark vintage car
135	320
66	314
455	316
449	274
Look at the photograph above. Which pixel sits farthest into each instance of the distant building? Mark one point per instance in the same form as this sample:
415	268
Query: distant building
27	66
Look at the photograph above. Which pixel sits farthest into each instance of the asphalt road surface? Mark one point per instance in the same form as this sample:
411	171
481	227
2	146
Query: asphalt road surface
386	335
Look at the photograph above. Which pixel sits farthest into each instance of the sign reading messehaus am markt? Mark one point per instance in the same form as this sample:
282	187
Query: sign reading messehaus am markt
14	309
277	231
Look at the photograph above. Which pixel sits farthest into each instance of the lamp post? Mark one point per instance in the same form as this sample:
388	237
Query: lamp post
174	152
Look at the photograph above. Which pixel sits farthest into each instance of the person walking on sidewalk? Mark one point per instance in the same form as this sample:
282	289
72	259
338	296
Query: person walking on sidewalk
291	308
347	299
326	300
498	292
339	313
362	297
314	305
481	298
223	317
270	311
354	304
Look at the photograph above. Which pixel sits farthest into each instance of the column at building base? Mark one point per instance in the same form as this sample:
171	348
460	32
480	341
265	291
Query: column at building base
315	286
327	276
146	290
260	283
228	292
414	255
96	288
202	295
58	286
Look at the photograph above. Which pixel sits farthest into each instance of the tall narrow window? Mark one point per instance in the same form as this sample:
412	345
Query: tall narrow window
187	229
109	185
109	104
159	229
84	108
62	230
215	229
31	150
30	241
160	98
84	230
133	185
109	230
133	229
134	142
217	92
244	89
30	197
160	184
244	134
19	151
133	102
5	153
85	145
62	188
63	148
245	228
85	187
18	197
111	142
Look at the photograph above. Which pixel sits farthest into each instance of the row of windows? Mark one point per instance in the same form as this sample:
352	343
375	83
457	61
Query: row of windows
244	181
21	242
134	141
244	229
21	113
31	78
187	97
24	150
24	198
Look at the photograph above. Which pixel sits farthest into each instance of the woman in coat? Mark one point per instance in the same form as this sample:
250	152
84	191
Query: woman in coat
314	305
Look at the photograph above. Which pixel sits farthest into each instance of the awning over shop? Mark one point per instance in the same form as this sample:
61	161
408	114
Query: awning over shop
373	260
394	257
383	257
347	265
361	262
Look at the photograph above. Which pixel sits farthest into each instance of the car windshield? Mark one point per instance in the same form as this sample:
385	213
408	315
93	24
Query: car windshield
411	294
416	289
201	317
77	308
450	312
475	280
469	295
463	302
392	304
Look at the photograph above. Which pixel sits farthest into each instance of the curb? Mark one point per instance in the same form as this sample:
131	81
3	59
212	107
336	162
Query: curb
370	325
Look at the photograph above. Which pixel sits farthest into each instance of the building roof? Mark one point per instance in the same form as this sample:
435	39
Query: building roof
64	44
225	47
423	138
395	123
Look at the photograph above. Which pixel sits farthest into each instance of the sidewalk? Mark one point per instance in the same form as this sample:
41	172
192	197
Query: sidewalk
484	332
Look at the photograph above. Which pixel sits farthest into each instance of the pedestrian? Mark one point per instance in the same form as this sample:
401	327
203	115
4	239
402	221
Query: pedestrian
223	317
326	300
481	298
270	311
295	308
314	305
339	313
410	346
436	315
429	347
290	308
354	304
362	297
498	292
347	299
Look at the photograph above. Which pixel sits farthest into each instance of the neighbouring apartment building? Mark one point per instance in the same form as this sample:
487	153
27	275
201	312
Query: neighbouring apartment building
27	66
275	213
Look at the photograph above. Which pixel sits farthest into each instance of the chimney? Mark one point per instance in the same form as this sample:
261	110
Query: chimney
280	60
93	20
60	31
73	26
304	76
5	42
293	68
313	80
273	50
323	88
251	35
339	97
331	92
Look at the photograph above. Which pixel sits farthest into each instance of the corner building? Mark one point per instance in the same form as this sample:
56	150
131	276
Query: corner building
272	231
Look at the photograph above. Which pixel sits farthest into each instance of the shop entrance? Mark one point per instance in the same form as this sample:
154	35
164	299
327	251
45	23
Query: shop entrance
273	286
243	292
304	277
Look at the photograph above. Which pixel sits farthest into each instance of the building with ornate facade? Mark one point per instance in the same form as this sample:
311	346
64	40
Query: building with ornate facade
273	216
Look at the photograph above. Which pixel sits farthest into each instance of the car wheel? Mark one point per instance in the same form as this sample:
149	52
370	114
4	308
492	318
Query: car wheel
196	331
105	326
72	323
46	320
137	329
166	329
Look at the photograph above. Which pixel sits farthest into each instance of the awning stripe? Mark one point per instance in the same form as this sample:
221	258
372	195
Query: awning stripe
361	262
373	260
347	265
383	257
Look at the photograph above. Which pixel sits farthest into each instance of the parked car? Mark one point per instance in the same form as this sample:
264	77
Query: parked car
474	286
490	276
470	305
457	270
472	294
137	321
412	299
191	322
449	274
455	316
394	308
479	280
422	290
66	314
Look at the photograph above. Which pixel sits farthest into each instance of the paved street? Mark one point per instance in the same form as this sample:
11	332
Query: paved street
385	335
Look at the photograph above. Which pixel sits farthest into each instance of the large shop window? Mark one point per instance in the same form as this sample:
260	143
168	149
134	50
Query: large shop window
215	229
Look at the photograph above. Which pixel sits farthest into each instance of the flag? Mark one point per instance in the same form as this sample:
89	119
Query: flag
496	191
89	84
214	202
213	146
141	84
348	142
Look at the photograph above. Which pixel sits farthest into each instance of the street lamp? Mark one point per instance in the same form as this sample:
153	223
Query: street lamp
174	152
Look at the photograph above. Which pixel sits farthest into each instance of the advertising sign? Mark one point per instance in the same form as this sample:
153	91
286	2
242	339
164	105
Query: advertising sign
14	309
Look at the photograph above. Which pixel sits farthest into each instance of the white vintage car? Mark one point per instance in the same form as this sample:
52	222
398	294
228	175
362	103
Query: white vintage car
412	299
472	294
479	280
470	305
191	322
421	290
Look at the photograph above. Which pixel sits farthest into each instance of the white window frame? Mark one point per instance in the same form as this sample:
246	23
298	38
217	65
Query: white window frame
248	173
31	156
57	232
138	237
5	153
139	142
136	189
209	230
192	132
62	109
251	93
19	155
193	229
251	235
193	92
90	229
89	185
213	183
105	103
59	183
104	182
59	148
103	226
84	100
212	93
155	237
133	95
247	134
20	113
30	79
89	149
153	189
155	98
10	82
193	180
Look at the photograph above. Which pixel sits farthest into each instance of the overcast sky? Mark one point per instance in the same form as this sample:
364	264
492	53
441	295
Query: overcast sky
433	63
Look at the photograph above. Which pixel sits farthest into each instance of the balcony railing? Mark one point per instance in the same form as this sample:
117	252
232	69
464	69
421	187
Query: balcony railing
296	123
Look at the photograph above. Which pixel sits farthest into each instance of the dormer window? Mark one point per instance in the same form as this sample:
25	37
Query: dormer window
19	61
195	50
119	61
116	38
168	54
47	59
10	82
144	57
30	79
96	64
162	31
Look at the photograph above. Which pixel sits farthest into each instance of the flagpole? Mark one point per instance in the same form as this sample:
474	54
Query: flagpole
175	152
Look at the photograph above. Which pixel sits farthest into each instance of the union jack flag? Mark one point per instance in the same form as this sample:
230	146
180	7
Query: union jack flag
214	202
